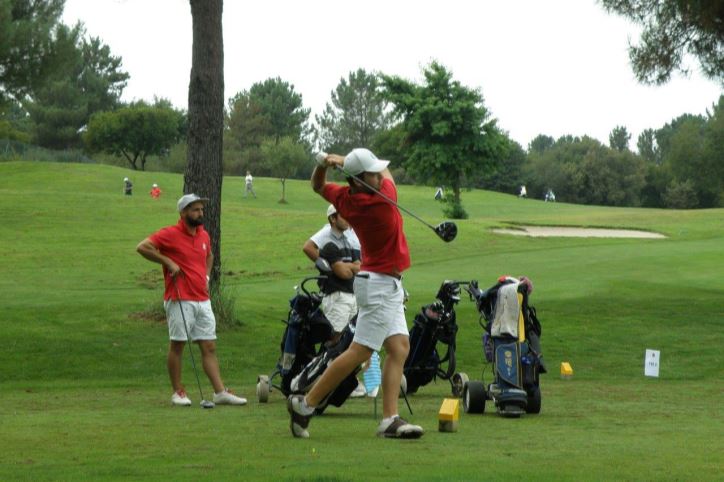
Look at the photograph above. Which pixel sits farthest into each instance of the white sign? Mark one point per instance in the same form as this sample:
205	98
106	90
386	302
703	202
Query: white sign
651	363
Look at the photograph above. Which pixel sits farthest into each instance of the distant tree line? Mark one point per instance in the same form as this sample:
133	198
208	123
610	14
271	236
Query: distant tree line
439	132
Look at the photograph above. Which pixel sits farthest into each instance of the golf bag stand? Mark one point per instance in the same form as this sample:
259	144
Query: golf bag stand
435	324
308	376
511	342
304	335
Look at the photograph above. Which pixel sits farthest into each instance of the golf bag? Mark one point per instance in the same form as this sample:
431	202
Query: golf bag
435	324
305	332
511	342
307	377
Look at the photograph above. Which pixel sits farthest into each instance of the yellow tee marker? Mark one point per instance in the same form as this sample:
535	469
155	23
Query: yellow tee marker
566	370
449	415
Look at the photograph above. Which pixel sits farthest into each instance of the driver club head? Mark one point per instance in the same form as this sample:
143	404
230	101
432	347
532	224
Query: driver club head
207	404
447	231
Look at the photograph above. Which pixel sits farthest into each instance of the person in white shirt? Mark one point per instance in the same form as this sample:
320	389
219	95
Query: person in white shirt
249	181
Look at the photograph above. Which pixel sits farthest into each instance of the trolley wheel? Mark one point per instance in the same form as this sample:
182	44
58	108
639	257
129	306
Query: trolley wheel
403	386
458	382
474	397
534	401
263	388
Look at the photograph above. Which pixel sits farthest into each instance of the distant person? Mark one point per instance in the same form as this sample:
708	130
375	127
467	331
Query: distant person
127	186
439	194
185	252
155	191
249	182
550	196
338	244
377	287
523	192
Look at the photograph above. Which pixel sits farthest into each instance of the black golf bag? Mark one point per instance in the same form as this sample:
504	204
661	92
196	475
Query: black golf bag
304	335
511	342
435	324
305	380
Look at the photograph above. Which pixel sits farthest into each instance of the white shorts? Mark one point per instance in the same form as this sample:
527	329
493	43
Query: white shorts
200	320
381	312
339	307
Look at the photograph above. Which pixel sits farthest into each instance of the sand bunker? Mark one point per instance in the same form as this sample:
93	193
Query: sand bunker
548	231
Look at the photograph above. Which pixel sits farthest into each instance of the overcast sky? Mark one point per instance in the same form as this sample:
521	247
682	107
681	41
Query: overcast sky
551	67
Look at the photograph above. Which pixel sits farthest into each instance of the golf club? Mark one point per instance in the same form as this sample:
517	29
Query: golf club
447	230
204	403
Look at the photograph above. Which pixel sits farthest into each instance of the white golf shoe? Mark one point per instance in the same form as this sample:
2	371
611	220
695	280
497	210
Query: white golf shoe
228	398
181	399
359	391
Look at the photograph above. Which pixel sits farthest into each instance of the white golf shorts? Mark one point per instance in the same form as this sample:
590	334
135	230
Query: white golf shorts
200	320
381	312
339	307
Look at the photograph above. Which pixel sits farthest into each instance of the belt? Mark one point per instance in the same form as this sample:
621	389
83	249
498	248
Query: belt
367	276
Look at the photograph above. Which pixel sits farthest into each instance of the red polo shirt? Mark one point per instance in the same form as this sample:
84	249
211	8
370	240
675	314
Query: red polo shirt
190	253
377	223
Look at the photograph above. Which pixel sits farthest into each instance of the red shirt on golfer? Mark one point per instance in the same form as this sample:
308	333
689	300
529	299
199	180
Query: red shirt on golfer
377	223
189	253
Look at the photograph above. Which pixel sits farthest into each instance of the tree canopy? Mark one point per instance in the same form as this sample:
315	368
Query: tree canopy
282	107
619	138
135	132
672	29
448	130
355	115
87	79
27	43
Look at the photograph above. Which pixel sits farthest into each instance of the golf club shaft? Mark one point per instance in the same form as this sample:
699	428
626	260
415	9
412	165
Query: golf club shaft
386	198
188	338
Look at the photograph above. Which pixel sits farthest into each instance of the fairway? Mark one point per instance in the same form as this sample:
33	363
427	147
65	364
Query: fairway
85	393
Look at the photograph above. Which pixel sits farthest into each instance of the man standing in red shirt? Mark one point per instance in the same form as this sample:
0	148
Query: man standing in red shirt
377	287
184	250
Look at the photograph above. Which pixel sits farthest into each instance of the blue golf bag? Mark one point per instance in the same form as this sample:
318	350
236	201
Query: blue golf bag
511	343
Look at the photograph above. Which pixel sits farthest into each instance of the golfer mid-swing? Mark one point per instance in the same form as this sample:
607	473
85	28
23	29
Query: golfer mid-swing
377	287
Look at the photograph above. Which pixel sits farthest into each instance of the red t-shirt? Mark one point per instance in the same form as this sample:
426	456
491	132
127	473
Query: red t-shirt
190	253
377	223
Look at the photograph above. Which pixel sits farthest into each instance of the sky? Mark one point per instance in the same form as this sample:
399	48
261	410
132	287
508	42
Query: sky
553	67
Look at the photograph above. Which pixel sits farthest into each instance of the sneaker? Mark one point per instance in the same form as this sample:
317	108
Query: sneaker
299	421
400	428
359	391
227	397
181	399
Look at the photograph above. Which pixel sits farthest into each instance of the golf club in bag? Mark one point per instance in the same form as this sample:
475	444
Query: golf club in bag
447	230
204	403
434	329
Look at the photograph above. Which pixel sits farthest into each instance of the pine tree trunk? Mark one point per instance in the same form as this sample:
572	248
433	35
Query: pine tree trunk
203	174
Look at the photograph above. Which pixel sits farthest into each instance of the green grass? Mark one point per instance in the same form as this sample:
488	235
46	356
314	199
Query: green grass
84	389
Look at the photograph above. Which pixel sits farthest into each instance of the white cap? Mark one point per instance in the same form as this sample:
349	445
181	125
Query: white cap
187	199
125	179
331	210
154	185
363	160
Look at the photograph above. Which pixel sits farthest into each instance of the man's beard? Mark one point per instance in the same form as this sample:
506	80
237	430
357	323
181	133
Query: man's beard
195	222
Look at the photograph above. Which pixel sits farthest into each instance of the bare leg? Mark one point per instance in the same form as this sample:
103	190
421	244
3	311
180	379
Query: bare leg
173	362
211	364
337	371
397	348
